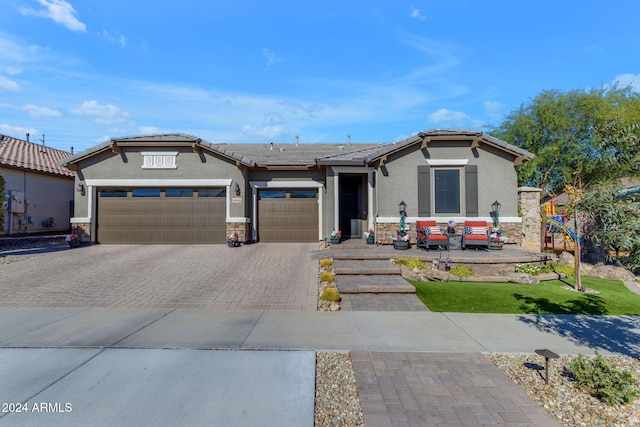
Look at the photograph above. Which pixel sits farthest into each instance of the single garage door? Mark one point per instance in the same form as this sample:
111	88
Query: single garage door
161	216
288	215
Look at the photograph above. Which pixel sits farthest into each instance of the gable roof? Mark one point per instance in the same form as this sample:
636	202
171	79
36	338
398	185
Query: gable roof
296	156
20	154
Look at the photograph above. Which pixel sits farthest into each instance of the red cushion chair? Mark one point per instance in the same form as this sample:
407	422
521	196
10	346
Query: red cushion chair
475	233
429	234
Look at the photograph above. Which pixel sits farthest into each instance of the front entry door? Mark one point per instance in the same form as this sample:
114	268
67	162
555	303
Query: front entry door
351	206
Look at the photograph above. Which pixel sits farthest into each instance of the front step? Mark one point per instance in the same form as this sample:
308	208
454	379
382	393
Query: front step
359	284
367	267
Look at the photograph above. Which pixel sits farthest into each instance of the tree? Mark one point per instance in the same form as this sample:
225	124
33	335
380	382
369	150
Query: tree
572	135
614	223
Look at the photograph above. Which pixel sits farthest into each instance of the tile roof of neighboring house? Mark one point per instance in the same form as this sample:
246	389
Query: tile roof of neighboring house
20	154
299	155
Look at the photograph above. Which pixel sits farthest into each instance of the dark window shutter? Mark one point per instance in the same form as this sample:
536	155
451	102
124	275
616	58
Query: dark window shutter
471	189
424	191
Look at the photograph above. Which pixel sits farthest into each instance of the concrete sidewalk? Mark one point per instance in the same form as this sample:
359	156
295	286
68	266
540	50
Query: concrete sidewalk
297	330
148	367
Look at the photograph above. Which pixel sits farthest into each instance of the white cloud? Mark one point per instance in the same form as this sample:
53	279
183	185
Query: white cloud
104	114
59	11
16	131
447	119
264	131
151	130
37	112
494	109
417	14
628	79
114	38
11	70
271	56
8	85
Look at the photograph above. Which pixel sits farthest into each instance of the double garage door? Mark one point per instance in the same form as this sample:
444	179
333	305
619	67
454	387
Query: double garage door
161	216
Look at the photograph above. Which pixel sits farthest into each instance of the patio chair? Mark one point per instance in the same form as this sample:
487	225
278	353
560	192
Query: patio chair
475	234
429	234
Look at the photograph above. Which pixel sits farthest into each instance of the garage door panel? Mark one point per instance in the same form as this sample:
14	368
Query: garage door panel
160	220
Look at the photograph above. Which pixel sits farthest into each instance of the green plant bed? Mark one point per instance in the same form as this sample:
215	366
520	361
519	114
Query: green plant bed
546	298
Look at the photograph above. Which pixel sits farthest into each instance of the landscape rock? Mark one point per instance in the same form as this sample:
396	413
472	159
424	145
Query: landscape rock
612	273
434	275
567	258
523	279
408	274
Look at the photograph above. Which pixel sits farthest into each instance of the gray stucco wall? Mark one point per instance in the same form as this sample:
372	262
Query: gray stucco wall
497	179
45	196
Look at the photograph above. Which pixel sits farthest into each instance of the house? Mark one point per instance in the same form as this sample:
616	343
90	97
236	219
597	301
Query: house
176	188
38	191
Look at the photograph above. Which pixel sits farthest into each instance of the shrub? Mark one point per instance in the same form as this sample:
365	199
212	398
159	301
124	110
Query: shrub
411	263
325	262
528	269
327	277
603	380
462	271
330	294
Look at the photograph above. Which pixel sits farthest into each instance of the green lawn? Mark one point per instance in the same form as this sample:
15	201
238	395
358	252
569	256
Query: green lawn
546	298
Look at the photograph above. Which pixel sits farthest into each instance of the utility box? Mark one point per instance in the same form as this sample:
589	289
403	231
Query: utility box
16	201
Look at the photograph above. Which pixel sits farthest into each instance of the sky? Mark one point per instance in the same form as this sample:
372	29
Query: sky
81	72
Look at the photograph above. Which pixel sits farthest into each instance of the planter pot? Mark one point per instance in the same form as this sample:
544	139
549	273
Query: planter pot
401	245
74	243
496	246
233	244
371	240
335	240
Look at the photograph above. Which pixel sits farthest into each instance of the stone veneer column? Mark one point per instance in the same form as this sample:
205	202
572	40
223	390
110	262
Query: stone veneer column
529	203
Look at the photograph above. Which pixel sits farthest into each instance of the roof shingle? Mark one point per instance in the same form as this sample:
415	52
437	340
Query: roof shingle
20	154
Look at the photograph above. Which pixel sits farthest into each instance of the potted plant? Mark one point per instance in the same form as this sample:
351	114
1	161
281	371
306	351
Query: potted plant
370	236
233	241
73	239
335	237
402	242
496	239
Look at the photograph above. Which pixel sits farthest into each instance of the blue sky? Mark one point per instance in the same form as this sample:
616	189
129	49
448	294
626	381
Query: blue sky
81	72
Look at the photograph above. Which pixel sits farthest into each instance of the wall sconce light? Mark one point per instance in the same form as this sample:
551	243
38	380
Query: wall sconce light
402	207
236	188
495	213
81	189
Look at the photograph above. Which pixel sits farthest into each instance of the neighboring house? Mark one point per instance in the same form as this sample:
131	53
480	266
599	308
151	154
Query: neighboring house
177	188
38	191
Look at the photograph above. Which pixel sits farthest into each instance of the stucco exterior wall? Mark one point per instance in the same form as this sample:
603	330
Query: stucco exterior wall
497	179
45	197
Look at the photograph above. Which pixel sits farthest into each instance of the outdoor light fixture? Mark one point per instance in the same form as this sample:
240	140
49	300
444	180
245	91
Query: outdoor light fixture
236	188
495	213
402	206
81	189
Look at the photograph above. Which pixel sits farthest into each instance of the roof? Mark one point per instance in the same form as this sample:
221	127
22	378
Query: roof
301	155
20	154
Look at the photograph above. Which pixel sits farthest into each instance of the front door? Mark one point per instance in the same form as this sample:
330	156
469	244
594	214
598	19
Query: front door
351	206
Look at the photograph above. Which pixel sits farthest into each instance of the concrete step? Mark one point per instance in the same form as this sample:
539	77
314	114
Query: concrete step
368	267
356	284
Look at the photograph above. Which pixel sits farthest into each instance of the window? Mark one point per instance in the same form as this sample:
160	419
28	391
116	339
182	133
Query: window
303	194
273	194
113	193
178	192
212	192
146	192
446	190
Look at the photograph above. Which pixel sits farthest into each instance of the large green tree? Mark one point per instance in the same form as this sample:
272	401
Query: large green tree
574	135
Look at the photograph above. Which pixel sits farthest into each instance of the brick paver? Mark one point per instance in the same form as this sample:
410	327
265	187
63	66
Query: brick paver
262	276
440	389
381	302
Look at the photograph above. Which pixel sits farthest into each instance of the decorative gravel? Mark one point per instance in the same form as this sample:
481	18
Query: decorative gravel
337	401
561	398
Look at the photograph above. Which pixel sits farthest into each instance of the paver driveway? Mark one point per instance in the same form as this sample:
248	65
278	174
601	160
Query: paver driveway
260	276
